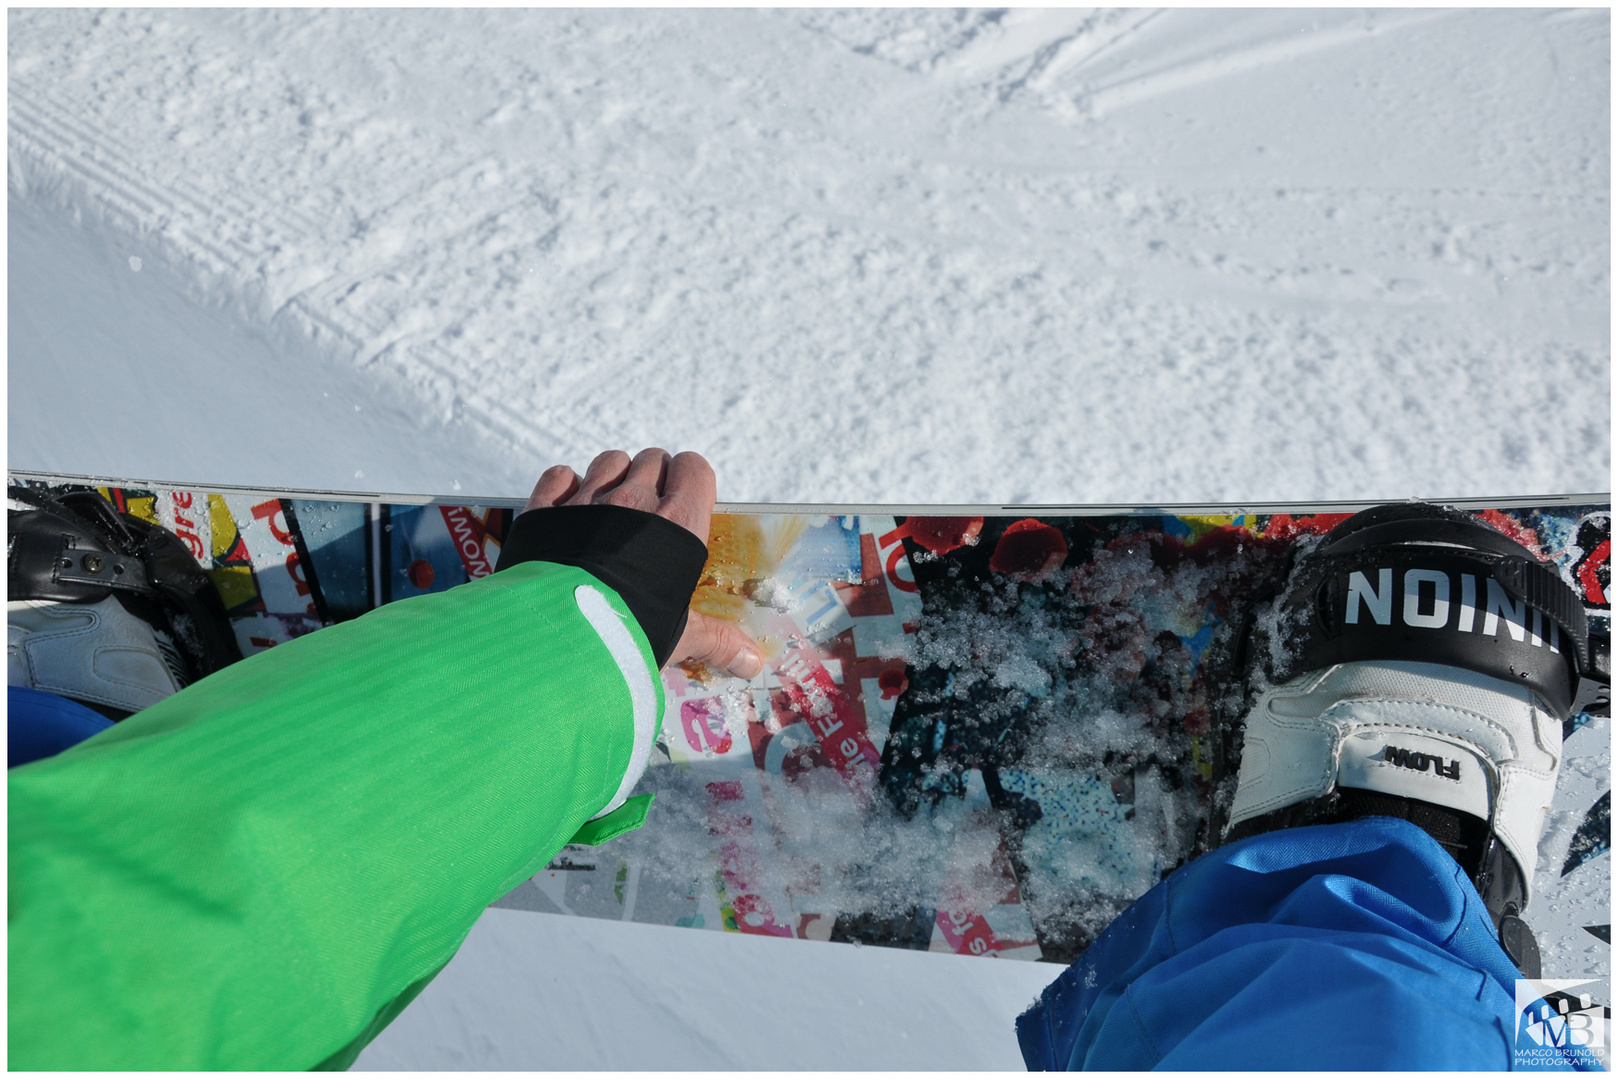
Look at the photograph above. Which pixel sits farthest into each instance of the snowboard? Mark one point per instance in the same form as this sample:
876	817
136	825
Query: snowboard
979	730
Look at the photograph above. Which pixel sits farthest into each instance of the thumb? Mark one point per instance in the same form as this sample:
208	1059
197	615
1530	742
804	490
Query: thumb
719	644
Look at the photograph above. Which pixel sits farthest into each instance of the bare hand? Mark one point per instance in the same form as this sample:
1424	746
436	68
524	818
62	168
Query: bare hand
680	489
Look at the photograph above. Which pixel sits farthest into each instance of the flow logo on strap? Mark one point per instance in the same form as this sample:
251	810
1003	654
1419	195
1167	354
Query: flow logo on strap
1418	762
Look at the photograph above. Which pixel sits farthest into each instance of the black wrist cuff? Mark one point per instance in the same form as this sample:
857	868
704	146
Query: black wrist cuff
652	563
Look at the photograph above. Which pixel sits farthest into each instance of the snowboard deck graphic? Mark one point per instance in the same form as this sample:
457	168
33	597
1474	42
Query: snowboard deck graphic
980	730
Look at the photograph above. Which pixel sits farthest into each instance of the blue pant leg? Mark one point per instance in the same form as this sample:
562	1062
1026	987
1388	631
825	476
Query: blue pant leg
40	724
1353	946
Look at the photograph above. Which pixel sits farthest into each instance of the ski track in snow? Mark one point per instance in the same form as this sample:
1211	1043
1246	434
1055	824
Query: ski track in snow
905	255
942	255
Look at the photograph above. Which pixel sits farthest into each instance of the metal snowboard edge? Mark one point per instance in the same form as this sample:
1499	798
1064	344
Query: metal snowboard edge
840	509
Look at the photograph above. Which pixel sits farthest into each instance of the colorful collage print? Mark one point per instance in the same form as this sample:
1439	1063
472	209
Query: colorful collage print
894	777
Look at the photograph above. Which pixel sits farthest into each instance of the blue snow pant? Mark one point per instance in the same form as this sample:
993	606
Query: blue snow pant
40	724
1354	946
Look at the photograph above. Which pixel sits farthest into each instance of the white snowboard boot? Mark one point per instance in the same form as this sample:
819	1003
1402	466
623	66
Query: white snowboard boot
1419	664
97	654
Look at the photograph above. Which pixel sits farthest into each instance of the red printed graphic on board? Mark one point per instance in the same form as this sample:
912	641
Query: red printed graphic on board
1591	550
838	723
467	532
940	535
1029	549
870	597
965	929
272	514
189	515
703	722
1286	526
1594	573
967	932
751	913
1512	527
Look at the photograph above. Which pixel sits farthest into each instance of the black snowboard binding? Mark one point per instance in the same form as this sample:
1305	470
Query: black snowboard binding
1412	654
104	608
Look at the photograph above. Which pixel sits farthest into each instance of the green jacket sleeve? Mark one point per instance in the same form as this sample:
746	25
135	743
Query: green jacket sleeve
260	871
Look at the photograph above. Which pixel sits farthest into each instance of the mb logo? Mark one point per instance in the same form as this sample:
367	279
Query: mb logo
1556	1019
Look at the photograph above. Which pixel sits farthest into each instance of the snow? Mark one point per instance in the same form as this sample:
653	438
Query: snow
936	255
530	990
905	255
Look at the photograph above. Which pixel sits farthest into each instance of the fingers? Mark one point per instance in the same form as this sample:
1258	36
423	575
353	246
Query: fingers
605	473
555	484
680	488
689	493
647	470
642	486
719	645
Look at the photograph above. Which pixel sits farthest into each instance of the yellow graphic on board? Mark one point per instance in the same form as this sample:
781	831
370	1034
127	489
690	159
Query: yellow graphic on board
232	569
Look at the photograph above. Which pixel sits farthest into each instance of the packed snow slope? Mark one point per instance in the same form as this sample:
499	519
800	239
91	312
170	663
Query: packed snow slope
906	255
874	255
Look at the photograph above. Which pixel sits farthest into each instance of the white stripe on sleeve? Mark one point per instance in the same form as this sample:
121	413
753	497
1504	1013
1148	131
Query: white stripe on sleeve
609	626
